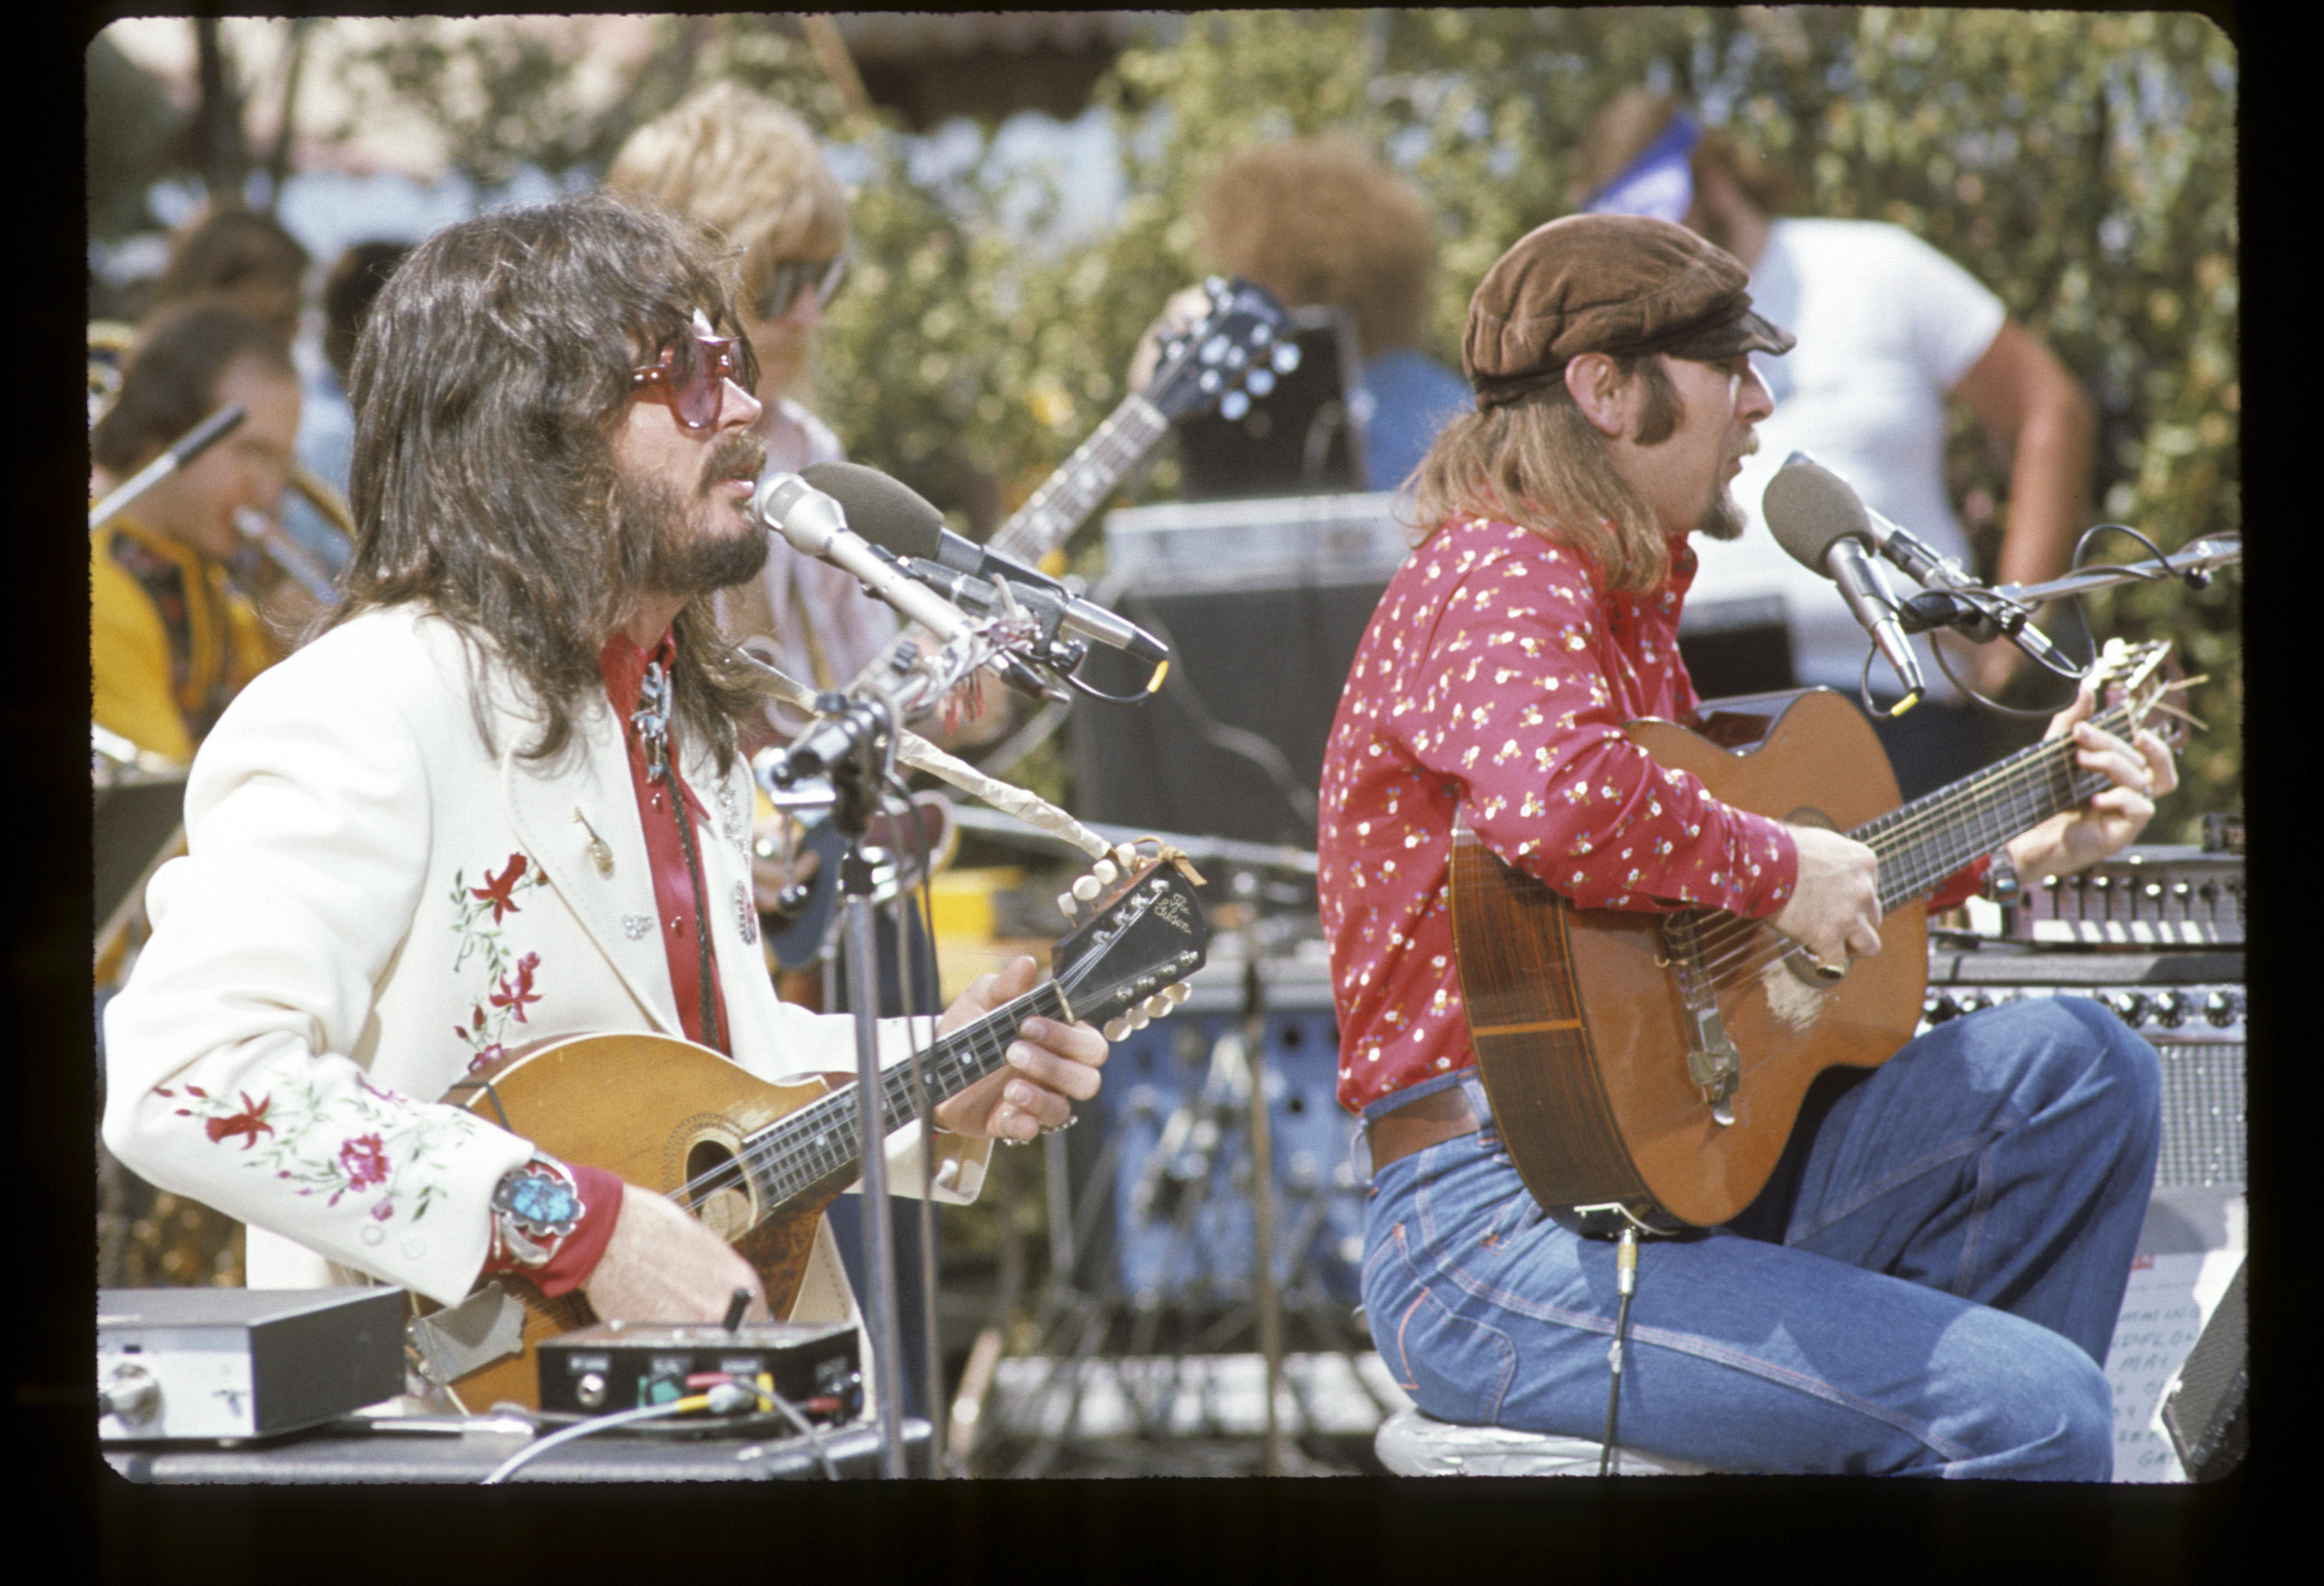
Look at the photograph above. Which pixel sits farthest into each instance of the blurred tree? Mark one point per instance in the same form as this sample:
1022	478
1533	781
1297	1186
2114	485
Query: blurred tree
133	134
2081	164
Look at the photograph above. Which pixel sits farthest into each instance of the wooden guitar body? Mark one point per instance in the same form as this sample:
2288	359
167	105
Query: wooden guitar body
1581	1029
758	1162
662	1114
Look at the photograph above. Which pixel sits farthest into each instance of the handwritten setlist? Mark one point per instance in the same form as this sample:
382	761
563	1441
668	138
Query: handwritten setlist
2163	1310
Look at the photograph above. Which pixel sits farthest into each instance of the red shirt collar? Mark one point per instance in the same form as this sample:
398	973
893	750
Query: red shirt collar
623	665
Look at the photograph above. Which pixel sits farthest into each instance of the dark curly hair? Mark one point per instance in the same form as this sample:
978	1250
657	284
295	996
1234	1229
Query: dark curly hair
488	378
171	379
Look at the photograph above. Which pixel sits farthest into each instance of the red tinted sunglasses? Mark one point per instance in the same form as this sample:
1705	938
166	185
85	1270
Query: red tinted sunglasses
691	374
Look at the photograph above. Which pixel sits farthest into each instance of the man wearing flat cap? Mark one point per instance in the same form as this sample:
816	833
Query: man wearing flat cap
1929	1280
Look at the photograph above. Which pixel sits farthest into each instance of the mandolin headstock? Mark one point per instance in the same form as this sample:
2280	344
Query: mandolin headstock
1146	933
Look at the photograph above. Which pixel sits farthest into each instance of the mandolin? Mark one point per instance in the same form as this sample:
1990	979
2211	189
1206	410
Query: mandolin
758	1162
1656	1062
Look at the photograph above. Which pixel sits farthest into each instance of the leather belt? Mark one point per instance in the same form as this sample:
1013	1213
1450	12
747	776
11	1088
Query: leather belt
1433	1119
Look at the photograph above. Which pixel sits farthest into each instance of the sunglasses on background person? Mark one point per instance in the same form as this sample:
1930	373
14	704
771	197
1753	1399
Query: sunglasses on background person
691	374
795	278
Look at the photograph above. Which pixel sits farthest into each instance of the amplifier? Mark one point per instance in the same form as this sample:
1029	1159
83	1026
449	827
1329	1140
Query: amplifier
2190	1007
628	1365
1263	603
174	1363
2142	898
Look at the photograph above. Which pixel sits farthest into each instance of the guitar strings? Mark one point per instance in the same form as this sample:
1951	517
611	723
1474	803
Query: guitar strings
1999	797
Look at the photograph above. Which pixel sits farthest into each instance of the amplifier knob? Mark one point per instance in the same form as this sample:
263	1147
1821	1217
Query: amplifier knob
2169	1010
2129	1007
2222	1008
590	1390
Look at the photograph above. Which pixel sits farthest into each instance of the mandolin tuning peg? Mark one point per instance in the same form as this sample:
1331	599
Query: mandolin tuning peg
1115	1028
1067	907
1140	1019
1087	887
1158	1006
1177	993
1233	405
1105	872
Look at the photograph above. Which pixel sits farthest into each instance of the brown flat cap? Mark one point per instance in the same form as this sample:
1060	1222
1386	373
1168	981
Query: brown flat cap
1605	283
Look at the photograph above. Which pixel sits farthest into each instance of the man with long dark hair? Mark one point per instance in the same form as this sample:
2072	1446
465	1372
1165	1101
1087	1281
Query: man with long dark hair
1931	1278
498	802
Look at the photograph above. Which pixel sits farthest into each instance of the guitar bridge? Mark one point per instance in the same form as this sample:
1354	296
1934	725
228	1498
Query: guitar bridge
1713	1066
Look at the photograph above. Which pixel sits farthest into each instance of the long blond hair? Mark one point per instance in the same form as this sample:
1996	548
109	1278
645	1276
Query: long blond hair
1539	462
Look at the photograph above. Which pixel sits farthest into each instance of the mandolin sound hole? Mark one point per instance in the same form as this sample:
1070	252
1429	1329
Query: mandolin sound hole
717	1191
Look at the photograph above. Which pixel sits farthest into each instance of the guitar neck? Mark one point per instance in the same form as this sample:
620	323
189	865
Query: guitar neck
823	1139
1921	843
1068	496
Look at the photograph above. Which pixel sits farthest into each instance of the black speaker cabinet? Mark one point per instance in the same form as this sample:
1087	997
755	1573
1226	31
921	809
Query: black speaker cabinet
1263	604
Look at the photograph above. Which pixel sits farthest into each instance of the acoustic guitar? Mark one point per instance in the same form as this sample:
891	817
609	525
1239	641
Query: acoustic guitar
757	1162
1655	1063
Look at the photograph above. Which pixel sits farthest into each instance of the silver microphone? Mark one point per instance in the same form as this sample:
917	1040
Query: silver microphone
1821	522
818	525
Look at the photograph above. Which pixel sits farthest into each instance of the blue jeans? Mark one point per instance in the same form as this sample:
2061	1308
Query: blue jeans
1927	1285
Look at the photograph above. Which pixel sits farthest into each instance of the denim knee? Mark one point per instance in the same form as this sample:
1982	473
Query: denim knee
2130	1068
2044	1411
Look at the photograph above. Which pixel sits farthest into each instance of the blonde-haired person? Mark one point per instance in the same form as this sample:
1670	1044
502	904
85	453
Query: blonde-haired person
748	170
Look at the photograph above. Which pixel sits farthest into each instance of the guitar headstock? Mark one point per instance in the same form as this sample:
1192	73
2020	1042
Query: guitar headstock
1234	353
1128	963
2136	677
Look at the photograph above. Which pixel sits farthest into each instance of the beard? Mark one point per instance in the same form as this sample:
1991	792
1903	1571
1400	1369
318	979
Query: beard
701	544
1722	519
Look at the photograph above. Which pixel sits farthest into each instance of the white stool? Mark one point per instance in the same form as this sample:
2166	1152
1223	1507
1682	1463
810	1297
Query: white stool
1410	1444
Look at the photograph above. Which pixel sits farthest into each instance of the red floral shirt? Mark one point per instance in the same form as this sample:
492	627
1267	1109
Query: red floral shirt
1498	673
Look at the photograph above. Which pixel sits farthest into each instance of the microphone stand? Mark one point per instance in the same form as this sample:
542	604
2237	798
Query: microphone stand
1984	614
851	742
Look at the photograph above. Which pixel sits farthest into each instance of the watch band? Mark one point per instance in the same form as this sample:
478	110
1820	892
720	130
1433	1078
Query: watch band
534	1209
2001	882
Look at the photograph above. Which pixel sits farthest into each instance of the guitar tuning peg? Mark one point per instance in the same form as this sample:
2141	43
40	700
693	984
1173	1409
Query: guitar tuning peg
1234	405
1115	1028
1285	356
1067	907
1259	381
1105	872
1087	887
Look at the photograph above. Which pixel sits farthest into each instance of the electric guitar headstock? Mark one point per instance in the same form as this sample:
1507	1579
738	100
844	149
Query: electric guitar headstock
1235	352
1128	963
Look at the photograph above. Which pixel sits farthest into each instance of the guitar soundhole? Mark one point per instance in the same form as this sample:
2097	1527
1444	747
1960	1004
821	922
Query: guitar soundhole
716	1189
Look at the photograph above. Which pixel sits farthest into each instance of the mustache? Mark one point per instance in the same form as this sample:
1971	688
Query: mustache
739	455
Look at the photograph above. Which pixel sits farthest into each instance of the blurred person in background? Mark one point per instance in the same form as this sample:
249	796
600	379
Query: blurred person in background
1889	329
326	425
1318	221
175	629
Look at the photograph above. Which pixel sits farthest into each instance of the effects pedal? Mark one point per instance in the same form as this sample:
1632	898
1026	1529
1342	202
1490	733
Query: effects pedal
622	1366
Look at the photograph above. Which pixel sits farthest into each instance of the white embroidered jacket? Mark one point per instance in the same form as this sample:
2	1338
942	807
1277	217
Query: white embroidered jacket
370	902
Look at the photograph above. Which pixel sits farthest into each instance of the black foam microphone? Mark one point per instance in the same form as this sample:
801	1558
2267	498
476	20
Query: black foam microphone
896	517
1815	516
1810	497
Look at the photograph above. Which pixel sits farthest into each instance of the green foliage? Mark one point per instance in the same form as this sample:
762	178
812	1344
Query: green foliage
2081	164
